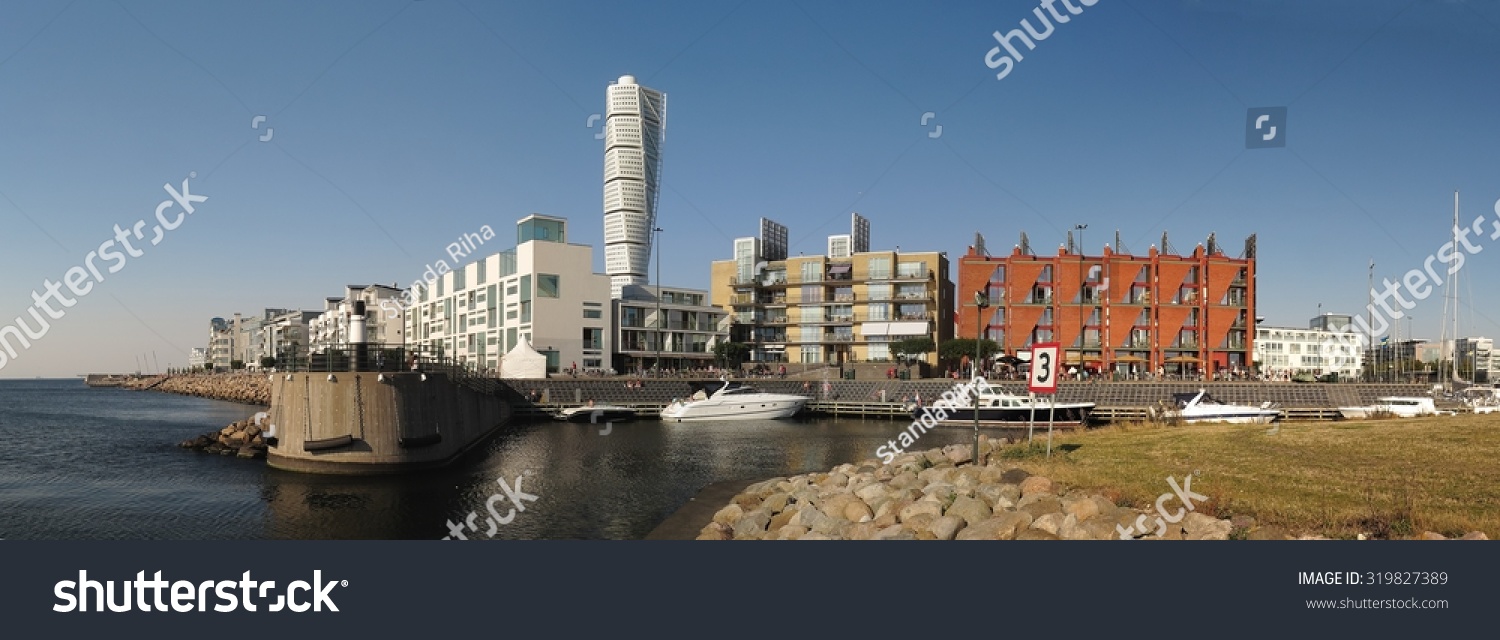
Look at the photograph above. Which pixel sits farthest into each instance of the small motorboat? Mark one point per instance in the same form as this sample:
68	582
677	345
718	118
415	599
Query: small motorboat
596	413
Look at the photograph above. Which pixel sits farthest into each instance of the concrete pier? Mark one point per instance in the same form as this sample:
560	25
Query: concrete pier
372	423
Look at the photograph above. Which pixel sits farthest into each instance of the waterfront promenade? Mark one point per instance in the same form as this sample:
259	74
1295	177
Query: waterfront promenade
845	398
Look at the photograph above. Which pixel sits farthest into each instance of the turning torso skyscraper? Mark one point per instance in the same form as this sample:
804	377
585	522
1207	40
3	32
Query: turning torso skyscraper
634	129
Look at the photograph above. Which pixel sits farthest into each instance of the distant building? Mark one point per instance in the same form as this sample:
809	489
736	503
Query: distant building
286	337
331	327
845	307
689	328
1117	312
1476	357
543	291
635	126
197	357
1285	352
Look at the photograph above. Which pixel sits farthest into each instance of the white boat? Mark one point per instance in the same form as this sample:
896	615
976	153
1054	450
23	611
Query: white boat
726	400
1000	409
1200	408
1394	406
1481	399
596	413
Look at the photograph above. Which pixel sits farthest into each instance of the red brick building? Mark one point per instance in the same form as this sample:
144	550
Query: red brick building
1115	312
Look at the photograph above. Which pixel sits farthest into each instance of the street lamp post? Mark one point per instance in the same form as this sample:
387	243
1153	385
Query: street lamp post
657	247
1082	299
981	301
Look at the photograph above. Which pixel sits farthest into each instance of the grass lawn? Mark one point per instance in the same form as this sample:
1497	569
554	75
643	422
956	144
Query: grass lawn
1385	478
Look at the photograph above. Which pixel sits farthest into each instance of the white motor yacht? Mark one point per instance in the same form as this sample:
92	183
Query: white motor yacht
726	400
1199	408
1394	406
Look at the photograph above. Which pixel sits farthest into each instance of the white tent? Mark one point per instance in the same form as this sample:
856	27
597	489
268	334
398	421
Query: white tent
523	362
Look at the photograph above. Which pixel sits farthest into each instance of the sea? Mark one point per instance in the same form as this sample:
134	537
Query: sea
103	463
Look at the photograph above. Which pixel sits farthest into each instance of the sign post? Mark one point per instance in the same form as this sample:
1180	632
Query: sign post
1043	380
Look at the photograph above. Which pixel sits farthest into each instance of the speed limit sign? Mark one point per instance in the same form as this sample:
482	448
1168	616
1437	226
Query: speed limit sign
1044	367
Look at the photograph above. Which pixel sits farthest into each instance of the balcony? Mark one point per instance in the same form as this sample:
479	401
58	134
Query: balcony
837	337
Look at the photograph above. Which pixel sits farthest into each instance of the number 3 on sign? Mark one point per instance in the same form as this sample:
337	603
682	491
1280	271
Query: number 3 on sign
1044	368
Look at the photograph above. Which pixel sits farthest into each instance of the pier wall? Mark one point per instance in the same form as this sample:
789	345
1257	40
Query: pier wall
875	398
365	423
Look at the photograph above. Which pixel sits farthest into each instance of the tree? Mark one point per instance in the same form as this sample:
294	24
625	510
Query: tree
267	362
956	349
730	355
910	349
236	364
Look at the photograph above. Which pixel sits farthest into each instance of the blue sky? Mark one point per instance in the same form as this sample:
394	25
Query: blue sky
399	125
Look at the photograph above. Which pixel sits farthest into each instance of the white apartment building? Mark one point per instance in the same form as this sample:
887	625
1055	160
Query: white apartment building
1284	352
332	326
197	357
634	131
544	291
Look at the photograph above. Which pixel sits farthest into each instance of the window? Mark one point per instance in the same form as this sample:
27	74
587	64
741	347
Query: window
880	311
812	354
812	272
593	338
880	268
526	312
593	314
547	285
526	288
1046	275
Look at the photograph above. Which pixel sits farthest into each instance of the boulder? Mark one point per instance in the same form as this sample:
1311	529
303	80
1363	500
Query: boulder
1044	505
915	508
776	502
1199	526
752	525
1431	535
1036	534
972	510
1051	522
791	532
1004	526
894	532
1475	535
946	527
781	520
1035	484
728	515
1081	508
959	453
858	511
871	492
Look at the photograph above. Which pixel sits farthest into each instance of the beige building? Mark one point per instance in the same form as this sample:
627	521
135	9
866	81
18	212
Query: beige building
543	291
843	308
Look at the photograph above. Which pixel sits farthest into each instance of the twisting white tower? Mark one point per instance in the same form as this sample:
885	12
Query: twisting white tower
634	130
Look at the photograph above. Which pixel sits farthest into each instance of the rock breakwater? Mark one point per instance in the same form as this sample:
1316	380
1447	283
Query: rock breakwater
939	494
243	439
246	388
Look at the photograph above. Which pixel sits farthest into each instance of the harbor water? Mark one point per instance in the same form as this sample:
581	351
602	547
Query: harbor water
82	463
